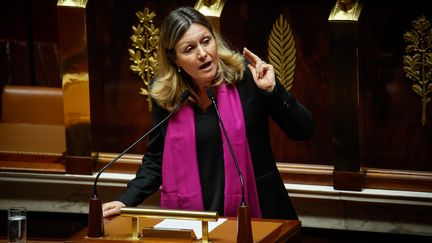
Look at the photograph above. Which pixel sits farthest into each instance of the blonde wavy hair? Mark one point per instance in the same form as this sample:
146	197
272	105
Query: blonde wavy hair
169	84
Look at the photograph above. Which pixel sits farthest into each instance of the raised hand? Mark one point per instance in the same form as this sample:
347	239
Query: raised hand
262	72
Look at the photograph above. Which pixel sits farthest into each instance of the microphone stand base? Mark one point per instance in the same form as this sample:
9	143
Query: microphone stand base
95	218
244	225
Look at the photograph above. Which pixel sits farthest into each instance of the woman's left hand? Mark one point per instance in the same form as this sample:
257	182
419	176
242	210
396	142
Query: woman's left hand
262	72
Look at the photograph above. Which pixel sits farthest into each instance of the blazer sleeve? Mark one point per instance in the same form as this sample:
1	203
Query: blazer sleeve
148	177
290	115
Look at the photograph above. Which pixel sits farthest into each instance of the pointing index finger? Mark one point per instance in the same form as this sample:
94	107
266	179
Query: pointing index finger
252	58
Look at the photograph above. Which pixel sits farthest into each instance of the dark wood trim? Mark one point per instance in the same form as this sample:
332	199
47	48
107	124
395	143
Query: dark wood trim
399	180
80	165
313	174
351	181
343	43
306	174
374	178
32	162
309	174
32	167
128	163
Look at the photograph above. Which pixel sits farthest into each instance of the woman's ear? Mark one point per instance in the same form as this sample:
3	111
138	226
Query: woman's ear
176	63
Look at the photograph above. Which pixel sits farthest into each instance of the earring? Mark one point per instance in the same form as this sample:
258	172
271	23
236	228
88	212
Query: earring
179	69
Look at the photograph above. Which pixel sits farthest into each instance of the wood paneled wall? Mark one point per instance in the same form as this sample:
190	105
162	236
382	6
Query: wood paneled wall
391	135
243	24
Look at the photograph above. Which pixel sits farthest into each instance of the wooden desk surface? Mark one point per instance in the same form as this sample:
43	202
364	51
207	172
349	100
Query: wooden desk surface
264	230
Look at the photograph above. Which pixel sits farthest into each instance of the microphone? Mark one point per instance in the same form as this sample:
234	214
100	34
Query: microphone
244	225
95	218
211	95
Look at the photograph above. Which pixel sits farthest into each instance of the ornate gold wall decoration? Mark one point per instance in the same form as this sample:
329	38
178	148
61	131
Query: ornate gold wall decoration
212	9
346	10
282	52
72	3
418	60
143	53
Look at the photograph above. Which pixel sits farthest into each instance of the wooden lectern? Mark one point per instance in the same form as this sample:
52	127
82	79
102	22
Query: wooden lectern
264	230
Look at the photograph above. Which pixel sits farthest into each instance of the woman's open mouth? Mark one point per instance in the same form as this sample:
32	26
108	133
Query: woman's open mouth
205	65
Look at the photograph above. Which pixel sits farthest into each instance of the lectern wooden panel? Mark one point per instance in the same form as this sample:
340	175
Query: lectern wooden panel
264	230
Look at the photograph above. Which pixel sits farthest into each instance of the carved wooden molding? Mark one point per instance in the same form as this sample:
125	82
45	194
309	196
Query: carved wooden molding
310	174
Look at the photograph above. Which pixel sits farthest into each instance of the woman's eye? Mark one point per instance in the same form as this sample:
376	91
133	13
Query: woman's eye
188	49
206	41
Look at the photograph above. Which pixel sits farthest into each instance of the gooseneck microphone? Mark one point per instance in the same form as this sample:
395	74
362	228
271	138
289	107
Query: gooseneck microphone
211	95
244	224
95	220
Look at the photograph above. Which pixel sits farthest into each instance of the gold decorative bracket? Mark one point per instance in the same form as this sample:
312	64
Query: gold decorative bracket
143	54
136	213
72	3
282	52
346	10
418	60
212	9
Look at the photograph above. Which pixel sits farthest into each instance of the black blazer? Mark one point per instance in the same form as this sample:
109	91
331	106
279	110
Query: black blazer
258	106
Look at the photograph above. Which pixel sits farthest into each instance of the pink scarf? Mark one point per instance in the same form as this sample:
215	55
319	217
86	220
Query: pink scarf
181	187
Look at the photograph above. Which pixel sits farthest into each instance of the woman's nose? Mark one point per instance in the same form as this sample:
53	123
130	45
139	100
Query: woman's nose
201	53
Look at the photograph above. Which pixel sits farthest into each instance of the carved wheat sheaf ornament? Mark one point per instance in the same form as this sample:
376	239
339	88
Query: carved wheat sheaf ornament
143	53
418	60
281	52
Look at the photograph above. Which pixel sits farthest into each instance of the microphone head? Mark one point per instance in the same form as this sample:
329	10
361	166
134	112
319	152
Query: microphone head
186	93
210	93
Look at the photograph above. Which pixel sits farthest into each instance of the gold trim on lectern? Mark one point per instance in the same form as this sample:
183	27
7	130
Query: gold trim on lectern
136	213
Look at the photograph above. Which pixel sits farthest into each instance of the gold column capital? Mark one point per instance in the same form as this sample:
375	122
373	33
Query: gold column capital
72	3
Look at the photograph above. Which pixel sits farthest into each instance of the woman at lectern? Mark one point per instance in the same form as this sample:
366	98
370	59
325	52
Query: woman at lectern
221	132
